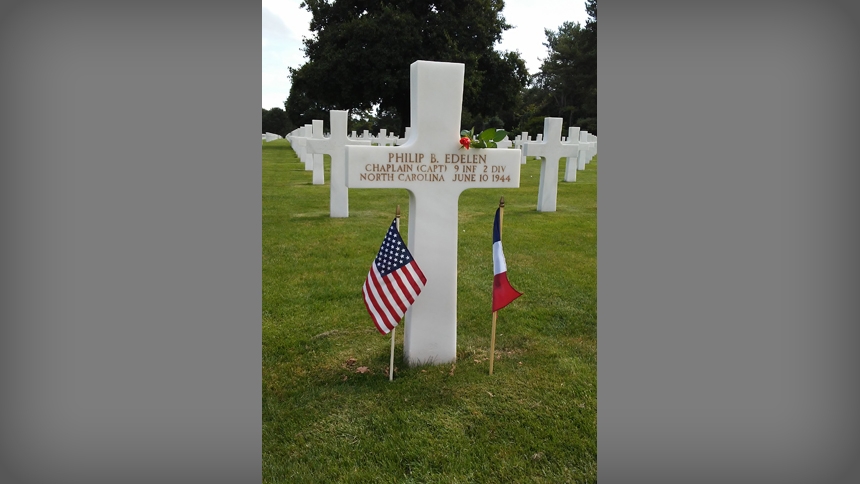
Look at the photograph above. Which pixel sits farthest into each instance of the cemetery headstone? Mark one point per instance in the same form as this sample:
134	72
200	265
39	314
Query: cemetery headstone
523	138
298	143
583	153
550	150
307	157
434	170
318	168
381	137
335	147
572	162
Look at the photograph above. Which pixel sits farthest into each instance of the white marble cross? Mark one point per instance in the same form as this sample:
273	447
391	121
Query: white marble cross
434	170
381	137
523	139
585	151
317	160
307	157
550	150
572	162
592	147
335	147
297	141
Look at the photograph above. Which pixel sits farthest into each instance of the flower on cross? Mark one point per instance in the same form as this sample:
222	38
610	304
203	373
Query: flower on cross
487	139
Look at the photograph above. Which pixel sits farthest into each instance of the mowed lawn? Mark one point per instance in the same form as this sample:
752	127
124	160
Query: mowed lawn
330	414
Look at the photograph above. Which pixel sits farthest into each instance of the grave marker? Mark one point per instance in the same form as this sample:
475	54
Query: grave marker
584	152
318	168
434	170
523	139
335	147
381	137
307	157
550	150
298	142
571	165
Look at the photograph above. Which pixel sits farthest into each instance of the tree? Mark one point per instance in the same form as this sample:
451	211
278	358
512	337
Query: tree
275	121
360	55
568	76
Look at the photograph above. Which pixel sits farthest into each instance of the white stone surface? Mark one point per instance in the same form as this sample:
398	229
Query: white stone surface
270	137
298	143
523	139
571	164
318	167
434	170
550	150
583	153
381	137
307	157
401	141
592	141
335	147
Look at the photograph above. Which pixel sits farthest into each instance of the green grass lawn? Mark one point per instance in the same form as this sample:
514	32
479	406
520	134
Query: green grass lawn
330	414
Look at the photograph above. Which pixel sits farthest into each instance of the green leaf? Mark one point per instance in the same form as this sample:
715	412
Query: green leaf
491	144
465	132
500	135
488	134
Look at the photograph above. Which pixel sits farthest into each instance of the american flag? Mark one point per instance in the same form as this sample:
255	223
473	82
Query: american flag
393	283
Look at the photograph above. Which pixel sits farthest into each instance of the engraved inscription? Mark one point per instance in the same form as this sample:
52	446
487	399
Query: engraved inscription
434	168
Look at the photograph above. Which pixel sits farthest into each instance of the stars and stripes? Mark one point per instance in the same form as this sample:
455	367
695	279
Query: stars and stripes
503	293
393	282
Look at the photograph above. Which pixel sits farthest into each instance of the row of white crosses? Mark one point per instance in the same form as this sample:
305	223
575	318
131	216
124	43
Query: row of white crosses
551	150
271	136
577	148
310	145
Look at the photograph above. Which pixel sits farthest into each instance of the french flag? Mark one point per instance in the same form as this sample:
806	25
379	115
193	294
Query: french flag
503	293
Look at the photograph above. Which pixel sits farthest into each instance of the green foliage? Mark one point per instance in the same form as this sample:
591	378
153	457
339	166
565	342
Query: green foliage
275	121
329	413
566	86
360	55
488	138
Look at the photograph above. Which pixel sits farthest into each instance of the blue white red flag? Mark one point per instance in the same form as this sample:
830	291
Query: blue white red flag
503	293
393	283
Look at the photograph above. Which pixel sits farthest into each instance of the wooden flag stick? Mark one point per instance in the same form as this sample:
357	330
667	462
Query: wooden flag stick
493	331
493	343
391	361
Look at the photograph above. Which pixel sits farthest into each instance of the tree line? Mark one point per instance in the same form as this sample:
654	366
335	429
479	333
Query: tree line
361	50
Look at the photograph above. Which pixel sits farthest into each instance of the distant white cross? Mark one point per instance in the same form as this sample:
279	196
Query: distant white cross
335	147
551	150
571	164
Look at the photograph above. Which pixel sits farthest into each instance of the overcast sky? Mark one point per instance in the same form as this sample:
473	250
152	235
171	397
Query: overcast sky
285	24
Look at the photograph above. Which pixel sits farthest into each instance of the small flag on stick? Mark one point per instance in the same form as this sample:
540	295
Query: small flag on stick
503	293
393	282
